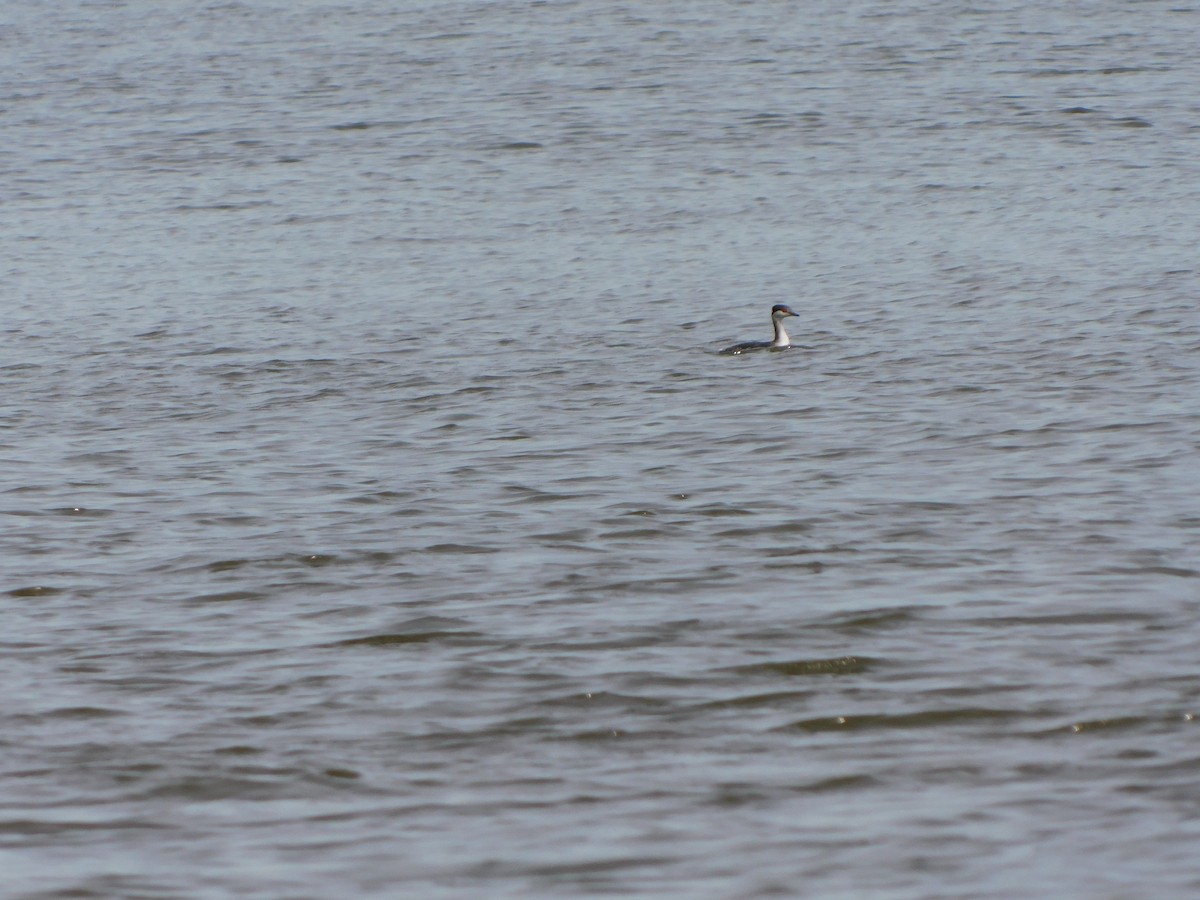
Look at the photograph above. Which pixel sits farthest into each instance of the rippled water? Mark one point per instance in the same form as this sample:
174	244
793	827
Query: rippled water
379	519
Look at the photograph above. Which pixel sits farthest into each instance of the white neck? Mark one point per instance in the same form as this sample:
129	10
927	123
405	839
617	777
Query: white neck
781	336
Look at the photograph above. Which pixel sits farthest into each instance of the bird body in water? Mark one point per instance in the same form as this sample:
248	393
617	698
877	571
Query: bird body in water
781	341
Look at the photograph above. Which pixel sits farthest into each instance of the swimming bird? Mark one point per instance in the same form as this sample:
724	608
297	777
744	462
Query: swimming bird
781	342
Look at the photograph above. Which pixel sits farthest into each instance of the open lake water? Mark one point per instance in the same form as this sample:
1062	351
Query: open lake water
379	519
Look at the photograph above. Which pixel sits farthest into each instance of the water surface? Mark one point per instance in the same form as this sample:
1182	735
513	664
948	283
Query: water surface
379	517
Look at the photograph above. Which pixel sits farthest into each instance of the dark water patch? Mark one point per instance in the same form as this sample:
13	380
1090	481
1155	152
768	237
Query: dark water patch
814	566
224	207
678	584
567	536
630	513
221	350
82	712
940	718
36	590
285	562
595	735
31	512
774	552
1118	723
839	783
523	494
606	700
460	549
629	642
397	640
640	534
1130	70
1057	73
866	621
842	665
1151	724
263	785
738	794
773	120
1098	618
774	528
80	512
229	597
754	701
581	873
388	497
719	510
64	829
421	630
1169	571
232	521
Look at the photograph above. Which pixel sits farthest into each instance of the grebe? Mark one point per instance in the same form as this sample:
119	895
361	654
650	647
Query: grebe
781	342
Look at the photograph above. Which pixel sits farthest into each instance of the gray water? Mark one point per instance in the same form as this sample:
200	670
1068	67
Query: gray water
379	518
